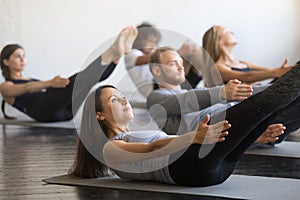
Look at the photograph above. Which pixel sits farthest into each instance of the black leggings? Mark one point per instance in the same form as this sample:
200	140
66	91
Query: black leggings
278	103
61	104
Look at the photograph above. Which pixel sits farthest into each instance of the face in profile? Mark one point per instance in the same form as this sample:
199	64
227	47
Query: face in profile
226	37
149	44
16	61
116	108
171	68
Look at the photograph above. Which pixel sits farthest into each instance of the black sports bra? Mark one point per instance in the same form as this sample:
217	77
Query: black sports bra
246	69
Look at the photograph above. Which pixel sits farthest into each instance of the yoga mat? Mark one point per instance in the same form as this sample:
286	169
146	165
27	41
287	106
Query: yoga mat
31	122
284	149
24	120
237	186
142	118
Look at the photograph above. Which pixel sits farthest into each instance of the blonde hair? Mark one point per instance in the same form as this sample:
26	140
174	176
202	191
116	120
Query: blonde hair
210	43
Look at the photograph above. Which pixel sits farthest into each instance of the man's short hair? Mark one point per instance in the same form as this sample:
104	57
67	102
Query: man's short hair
155	56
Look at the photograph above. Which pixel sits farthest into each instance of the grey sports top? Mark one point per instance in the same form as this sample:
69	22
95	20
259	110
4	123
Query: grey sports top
155	169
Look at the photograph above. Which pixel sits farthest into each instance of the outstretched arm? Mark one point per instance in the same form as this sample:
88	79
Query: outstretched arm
119	151
9	89
256	74
177	103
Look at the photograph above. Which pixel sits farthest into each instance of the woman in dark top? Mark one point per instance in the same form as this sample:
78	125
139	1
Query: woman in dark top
57	99
219	44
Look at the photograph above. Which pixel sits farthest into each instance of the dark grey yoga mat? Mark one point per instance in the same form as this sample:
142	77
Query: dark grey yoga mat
237	186
284	149
24	120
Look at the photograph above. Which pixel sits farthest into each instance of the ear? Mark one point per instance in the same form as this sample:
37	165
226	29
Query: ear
99	116
220	42
155	70
5	61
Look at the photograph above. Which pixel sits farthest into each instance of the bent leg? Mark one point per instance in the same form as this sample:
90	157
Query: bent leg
288	116
187	169
249	119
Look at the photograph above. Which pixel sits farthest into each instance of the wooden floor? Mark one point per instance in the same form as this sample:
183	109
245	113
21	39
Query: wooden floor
31	154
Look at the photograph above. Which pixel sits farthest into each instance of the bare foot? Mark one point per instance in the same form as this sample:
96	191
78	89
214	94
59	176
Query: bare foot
122	45
118	48
130	38
271	133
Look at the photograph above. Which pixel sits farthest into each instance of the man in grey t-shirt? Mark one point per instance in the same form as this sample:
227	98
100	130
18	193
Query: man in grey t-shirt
178	111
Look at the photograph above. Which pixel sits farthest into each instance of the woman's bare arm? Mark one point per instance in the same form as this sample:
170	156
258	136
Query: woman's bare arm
251	76
9	89
119	151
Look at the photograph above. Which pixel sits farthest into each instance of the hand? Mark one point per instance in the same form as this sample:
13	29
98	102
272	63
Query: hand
283	69
234	90
209	134
284	64
271	133
59	82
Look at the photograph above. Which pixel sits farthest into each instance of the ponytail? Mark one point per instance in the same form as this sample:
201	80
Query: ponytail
3	111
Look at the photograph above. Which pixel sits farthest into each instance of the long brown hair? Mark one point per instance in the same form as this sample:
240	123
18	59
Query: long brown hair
88	162
209	43
6	52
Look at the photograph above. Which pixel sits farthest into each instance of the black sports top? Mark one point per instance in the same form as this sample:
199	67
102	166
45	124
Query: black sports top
22	100
246	69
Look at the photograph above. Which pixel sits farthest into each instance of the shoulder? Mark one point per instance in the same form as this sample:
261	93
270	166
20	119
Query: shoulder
156	94
140	136
131	58
6	84
167	91
222	66
249	64
163	93
148	133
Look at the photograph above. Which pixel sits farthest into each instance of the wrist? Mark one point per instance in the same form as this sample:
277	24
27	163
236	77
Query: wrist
223	93
276	72
48	84
194	139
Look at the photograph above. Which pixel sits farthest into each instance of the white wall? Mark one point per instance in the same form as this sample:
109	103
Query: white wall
58	35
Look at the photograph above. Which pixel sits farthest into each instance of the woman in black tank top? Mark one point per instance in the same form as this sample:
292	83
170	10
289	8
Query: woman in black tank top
57	99
219	44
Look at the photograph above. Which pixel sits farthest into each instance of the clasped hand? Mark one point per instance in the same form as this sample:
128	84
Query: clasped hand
59	82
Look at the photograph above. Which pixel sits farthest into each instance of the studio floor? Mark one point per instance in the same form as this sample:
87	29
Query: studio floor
31	154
